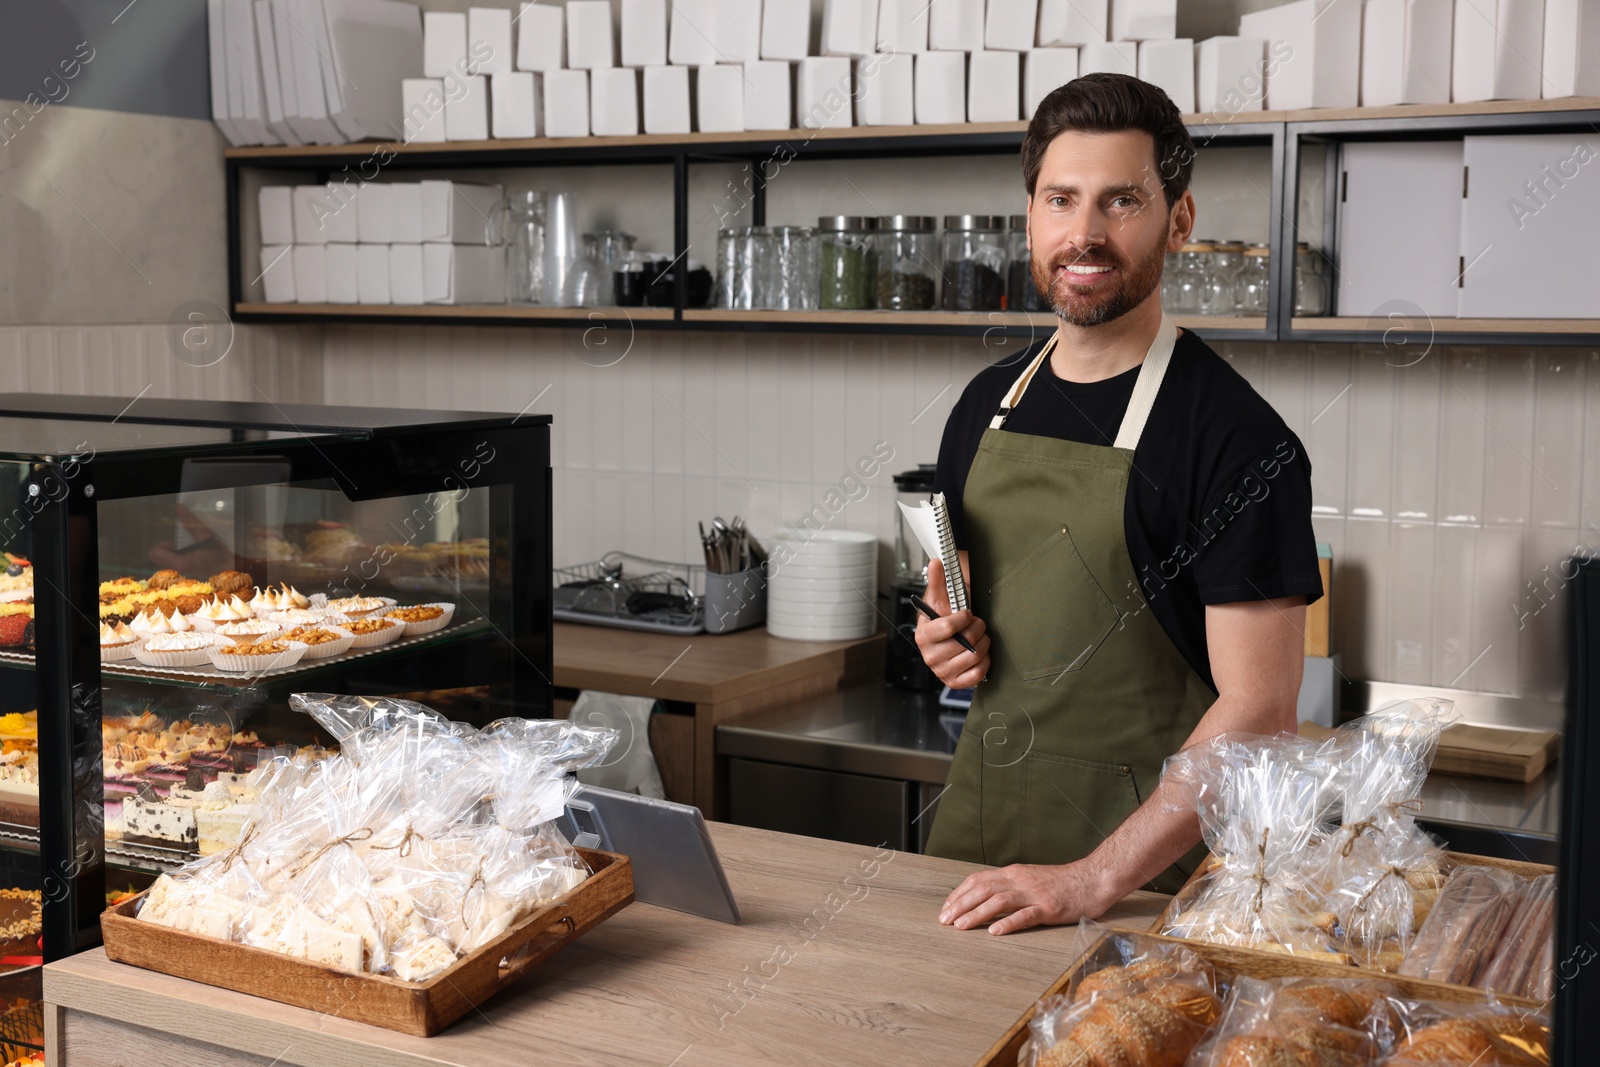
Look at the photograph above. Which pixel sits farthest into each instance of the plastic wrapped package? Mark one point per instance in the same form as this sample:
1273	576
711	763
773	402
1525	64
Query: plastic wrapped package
1379	872
1470	1035
1262	802
1302	1022
1524	963
1464	929
422	841
1146	1004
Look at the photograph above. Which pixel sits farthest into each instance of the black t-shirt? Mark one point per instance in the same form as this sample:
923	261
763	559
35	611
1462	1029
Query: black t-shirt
1218	508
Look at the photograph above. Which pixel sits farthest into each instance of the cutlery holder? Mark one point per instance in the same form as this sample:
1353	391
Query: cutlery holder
735	601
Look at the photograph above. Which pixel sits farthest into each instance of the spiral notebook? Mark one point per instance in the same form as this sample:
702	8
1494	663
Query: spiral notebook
930	521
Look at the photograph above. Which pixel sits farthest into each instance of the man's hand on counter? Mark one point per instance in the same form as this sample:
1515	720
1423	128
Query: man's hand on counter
1022	895
950	663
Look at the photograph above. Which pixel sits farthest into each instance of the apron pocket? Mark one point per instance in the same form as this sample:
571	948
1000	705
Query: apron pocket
1071	805
1049	612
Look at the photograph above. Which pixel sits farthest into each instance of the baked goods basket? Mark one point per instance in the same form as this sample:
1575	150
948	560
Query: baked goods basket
419	1008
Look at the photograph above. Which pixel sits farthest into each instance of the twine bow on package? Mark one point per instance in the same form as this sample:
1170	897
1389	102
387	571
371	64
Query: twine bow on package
1315	843
423	840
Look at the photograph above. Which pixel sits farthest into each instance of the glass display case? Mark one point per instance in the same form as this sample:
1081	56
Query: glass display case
176	569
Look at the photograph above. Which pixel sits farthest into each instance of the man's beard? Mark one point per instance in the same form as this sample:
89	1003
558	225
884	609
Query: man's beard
1093	309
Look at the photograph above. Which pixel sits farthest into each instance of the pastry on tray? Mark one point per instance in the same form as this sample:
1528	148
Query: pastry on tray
14	619
230	583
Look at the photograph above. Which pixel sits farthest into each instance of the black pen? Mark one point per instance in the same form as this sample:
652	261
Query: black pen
923	606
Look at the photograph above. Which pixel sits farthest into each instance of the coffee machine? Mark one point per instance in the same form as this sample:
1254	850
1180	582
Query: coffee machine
905	667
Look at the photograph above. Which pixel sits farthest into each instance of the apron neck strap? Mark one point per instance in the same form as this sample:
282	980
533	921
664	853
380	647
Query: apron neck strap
1151	373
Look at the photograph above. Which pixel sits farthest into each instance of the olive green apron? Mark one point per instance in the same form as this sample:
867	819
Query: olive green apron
1086	695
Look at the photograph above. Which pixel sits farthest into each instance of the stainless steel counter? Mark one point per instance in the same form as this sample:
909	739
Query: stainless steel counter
883	732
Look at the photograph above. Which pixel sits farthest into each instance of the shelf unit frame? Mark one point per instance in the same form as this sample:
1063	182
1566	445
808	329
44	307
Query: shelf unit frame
1286	132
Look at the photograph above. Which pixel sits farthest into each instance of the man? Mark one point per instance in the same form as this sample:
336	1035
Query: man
1135	526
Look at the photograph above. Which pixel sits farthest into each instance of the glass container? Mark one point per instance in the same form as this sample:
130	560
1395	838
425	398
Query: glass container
524	230
1021	293
1255	277
728	267
847	262
908	271
1222	279
1310	283
795	249
1194	261
974	265
755	268
560	248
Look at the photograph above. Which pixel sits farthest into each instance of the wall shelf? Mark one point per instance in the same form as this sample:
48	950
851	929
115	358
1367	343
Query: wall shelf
1283	131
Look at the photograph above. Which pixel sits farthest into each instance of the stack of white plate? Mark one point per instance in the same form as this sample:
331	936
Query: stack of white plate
827	588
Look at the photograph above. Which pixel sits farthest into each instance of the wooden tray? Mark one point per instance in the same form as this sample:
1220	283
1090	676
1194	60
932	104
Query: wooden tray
419	1008
1229	963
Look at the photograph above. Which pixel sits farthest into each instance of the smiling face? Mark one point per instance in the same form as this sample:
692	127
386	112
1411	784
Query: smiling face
1099	227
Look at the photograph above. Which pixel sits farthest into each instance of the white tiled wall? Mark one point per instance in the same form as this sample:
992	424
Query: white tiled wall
1445	486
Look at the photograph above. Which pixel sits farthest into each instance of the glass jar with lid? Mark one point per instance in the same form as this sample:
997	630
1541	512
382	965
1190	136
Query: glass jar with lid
1194	260
1021	293
974	263
847	263
1310	283
1222	279
908	263
1254	280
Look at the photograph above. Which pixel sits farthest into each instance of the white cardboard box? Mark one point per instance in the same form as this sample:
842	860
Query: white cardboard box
822	92
994	86
541	38
313	204
516	105
1313	52
768	104
1571	64
310	274
1116	57
644	33
1170	65
941	88
341	224
849	27
1045	70
785	29
884	89
1399	188
458	212
343	272
1498	50
614	102
466	114
1230	74
375	213
954	25
566	103
1073	22
666	100
1405	52
693	39
738	31
1530	234
491	26
275	204
422	102
589	35
463	274
719	98
405	274
1010	25
902	26
372	274
1144	20
444	42
277	273
405	207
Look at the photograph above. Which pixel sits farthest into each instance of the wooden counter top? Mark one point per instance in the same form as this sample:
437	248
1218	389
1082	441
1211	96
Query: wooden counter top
703	669
839	960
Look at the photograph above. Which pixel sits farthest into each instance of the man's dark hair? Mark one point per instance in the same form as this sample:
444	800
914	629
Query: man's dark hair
1110	103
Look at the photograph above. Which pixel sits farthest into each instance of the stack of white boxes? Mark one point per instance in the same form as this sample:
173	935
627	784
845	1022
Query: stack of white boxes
428	242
